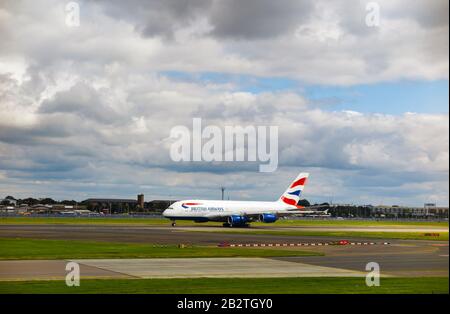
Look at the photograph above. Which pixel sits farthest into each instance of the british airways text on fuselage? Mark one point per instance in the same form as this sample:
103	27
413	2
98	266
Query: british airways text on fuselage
203	209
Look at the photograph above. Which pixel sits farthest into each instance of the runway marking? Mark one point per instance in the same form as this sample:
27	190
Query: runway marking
116	272
338	243
14	270
216	267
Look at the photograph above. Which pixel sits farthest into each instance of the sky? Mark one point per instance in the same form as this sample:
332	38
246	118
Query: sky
86	109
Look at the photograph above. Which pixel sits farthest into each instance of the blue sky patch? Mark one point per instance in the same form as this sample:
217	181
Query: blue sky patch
389	97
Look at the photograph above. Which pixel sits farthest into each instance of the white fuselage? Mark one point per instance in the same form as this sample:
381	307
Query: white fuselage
240	213
216	210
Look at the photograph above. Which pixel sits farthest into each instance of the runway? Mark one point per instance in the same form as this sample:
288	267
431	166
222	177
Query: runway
236	267
142	234
425	229
201	235
401	258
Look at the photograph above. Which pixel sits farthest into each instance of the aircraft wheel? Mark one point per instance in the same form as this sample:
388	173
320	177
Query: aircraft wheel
226	224
174	224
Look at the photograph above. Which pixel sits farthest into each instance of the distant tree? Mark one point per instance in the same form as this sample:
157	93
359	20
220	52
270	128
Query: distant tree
9	197
29	201
303	202
48	201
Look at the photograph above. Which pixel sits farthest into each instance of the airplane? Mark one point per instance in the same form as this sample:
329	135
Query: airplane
241	213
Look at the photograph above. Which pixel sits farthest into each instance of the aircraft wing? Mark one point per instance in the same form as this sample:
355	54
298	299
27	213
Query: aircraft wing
300	212
293	212
279	213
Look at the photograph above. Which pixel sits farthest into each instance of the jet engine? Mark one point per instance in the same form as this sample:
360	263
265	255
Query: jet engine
268	218
236	220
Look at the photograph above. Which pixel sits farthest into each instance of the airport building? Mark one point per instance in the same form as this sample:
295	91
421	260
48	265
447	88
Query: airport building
111	205
395	211
119	205
138	206
428	211
140	200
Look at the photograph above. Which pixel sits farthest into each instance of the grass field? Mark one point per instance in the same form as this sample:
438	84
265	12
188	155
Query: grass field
16	249
443	236
160	221
234	285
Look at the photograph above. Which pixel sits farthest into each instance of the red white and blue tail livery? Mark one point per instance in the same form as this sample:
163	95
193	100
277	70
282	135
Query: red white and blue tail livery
294	191
240	213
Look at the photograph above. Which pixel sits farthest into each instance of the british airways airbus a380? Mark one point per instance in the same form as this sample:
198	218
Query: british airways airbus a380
240	213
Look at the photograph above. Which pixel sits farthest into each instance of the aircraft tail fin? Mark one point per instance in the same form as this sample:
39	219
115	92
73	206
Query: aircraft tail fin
292	195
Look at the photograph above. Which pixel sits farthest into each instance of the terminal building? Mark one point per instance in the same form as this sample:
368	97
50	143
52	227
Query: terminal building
428	211
121	205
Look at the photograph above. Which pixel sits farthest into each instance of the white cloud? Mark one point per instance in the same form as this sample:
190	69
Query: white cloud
85	111
320	42
92	143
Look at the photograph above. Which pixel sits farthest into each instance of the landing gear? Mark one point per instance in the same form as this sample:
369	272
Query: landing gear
174	223
226	224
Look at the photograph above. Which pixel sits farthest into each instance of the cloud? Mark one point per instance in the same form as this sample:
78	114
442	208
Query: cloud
157	17
84	101
257	19
85	144
87	111
314	42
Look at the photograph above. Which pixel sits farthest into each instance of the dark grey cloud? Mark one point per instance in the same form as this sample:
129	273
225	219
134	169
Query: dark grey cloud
156	17
433	13
264	19
235	19
83	100
311	41
258	19
31	135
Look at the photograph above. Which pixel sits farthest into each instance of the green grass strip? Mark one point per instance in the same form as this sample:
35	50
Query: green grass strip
160	221
17	249
325	285
443	236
